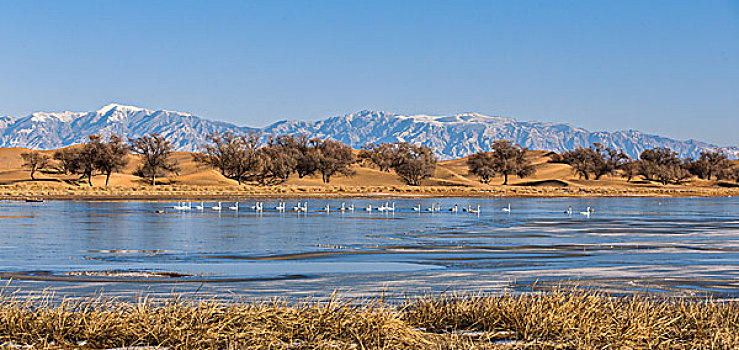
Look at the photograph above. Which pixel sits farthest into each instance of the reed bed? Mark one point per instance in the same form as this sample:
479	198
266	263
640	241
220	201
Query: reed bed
570	319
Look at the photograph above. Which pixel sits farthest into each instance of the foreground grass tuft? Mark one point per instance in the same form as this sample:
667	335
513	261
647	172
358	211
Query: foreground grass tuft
561	319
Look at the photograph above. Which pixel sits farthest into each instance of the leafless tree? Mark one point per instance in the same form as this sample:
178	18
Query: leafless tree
156	153
111	156
383	155
710	164
596	160
277	161
332	157
510	159
86	160
234	155
662	165
67	160
34	161
415	163
630	169
480	164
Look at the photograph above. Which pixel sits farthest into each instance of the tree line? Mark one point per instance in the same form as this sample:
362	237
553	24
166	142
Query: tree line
272	160
105	156
244	158
657	164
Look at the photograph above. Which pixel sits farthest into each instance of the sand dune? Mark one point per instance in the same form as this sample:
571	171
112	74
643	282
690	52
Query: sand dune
451	178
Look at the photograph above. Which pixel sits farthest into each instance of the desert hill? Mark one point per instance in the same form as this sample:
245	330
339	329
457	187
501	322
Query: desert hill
451	173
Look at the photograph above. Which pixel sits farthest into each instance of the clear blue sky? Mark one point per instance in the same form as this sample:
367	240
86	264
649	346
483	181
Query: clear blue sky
668	67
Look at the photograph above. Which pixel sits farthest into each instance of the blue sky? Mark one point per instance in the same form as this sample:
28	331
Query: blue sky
667	67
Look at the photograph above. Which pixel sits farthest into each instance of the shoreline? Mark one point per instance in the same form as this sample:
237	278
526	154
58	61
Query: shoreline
195	192
190	192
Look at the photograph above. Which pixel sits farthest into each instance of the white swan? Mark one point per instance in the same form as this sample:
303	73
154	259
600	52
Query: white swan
475	211
390	208
280	207
327	208
586	213
200	207
218	207
417	208
369	207
235	207
568	211
454	209
506	209
351	207
383	207
181	206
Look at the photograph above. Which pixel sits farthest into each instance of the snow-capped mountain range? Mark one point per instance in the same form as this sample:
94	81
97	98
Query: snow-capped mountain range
450	136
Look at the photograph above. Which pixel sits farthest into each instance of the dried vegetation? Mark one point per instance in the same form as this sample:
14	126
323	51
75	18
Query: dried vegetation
557	320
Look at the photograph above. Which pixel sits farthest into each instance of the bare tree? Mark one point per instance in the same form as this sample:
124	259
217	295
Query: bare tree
630	169
34	161
307	156
156	152
662	165
710	164
234	155
86	160
277	162
67	160
415	163
596	160
582	161
510	159
480	164
607	160
383	155
333	157
111	156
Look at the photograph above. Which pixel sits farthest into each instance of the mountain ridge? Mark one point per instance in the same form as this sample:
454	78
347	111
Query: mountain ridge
453	136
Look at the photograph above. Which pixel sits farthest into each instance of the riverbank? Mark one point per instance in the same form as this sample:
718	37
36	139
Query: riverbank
571	319
55	191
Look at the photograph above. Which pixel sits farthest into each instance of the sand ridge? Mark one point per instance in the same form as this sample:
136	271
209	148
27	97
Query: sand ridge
451	179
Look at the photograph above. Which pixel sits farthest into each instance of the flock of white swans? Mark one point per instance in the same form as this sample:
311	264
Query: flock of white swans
387	207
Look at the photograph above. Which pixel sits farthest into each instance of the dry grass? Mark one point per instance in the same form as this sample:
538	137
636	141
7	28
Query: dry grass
561	319
177	192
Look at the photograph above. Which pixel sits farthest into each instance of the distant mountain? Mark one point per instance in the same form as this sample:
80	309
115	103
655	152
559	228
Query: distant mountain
54	130
451	137
463	134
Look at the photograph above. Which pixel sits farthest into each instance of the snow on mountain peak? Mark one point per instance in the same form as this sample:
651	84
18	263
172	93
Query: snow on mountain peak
118	107
64	117
464	118
450	136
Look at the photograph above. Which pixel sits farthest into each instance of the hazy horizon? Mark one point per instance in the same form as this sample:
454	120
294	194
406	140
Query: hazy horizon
665	67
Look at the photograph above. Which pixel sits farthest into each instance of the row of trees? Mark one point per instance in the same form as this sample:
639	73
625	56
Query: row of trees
250	158
247	158
106	156
657	164
412	163
505	159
